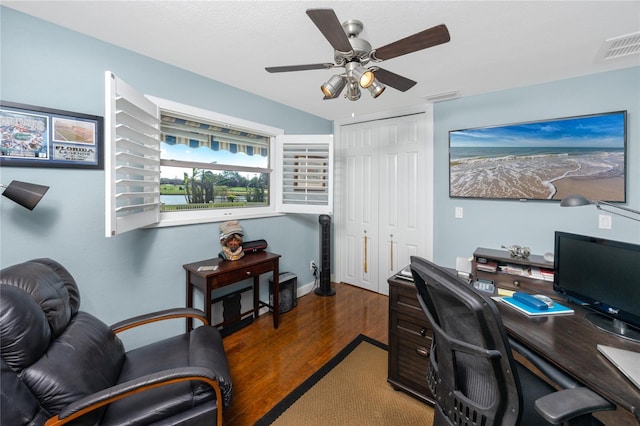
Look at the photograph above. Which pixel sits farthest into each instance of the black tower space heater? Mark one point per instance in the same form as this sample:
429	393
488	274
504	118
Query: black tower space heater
324	289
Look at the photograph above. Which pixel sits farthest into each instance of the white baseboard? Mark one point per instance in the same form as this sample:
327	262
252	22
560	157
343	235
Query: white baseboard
305	289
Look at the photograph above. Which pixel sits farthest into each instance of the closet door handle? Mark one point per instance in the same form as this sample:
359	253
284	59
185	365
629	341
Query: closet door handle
365	252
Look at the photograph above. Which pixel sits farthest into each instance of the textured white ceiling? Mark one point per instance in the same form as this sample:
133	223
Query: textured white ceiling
494	45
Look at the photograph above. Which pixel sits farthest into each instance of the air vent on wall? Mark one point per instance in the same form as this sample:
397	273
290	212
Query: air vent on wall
620	46
442	96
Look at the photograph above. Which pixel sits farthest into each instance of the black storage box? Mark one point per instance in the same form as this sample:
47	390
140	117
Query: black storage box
254	246
288	295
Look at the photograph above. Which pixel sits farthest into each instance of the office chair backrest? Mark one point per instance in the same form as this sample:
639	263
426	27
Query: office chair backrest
472	372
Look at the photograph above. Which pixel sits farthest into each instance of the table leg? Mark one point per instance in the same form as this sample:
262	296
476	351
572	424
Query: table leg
189	300
276	294
256	295
208	302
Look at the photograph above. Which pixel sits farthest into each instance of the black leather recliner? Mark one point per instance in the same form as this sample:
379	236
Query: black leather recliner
61	365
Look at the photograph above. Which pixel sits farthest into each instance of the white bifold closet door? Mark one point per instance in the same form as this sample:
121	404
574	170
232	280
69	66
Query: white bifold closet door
385	198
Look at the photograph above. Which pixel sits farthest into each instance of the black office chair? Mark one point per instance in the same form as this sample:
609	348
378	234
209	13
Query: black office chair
473	375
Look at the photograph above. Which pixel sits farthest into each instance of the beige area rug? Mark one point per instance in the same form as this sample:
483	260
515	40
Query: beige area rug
351	389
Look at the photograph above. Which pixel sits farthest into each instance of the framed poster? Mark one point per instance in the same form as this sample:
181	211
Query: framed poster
34	136
542	160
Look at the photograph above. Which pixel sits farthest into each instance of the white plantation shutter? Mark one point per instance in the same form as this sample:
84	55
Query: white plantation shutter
305	184
301	180
132	158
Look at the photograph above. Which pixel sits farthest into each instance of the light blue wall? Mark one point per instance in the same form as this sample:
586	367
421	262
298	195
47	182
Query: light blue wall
490	223
42	64
46	65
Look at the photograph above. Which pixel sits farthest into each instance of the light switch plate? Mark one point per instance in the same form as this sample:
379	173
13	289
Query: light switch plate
459	213
604	221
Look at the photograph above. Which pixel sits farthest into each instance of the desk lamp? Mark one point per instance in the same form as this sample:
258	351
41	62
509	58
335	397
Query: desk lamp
26	194
579	200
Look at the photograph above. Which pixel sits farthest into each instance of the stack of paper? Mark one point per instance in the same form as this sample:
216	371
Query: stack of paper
540	273
536	273
547	274
405	273
514	269
490	266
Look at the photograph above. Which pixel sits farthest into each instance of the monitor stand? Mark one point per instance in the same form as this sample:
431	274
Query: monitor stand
614	326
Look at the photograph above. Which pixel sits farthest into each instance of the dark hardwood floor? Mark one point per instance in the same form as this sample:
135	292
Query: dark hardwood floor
267	364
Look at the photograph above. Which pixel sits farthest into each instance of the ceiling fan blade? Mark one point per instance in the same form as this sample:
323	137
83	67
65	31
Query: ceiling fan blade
394	80
422	40
306	67
329	25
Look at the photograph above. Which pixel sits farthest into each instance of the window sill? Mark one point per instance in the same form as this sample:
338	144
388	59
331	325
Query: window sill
165	223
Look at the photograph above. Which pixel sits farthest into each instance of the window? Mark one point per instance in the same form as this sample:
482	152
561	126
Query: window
172	164
208	165
213	166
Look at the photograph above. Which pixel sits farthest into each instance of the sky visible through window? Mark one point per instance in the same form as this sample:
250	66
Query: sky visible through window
206	155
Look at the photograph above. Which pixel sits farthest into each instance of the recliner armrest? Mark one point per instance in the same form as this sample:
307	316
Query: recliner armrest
107	396
159	316
566	404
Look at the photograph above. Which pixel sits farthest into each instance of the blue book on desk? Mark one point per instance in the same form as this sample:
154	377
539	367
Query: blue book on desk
556	309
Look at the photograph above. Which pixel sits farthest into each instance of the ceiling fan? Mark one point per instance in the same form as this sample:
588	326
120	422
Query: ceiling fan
354	53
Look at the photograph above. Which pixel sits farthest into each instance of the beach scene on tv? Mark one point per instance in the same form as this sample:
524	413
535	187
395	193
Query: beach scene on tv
544	160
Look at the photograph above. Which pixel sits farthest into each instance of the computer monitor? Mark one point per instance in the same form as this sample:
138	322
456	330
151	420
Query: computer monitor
603	275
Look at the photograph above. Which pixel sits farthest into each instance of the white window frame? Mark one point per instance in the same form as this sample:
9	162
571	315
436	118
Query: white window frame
154	218
215	215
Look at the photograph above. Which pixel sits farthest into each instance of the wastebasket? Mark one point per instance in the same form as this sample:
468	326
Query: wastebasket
288	295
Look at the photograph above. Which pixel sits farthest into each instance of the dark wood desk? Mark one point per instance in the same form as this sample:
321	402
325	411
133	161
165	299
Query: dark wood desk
252	265
569	342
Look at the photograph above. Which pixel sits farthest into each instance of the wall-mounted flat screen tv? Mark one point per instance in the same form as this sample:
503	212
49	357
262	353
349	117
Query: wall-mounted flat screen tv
542	160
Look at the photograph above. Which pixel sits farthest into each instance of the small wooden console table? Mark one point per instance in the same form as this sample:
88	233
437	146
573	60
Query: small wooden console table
208	275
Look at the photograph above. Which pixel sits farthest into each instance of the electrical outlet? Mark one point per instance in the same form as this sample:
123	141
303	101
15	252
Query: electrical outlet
312	265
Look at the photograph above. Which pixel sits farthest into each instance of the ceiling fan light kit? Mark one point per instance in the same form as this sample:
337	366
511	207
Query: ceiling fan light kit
376	89
356	76
334	86
354	53
353	92
357	72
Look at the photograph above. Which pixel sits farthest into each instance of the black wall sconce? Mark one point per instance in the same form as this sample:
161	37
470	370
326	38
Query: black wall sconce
24	193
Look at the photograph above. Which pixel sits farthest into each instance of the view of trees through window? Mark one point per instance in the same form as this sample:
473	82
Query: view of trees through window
206	165
208	189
